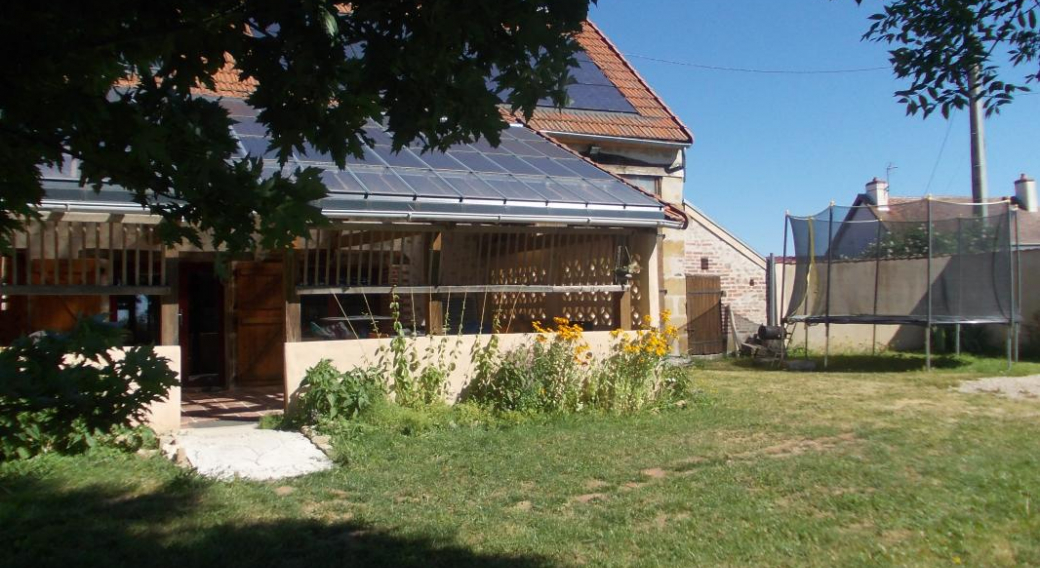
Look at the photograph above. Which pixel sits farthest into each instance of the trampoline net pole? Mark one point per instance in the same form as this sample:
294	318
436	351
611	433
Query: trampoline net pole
877	283
928	291
1011	282
827	300
783	288
1018	283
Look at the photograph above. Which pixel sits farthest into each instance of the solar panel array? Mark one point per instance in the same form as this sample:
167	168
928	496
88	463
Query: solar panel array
525	176
590	90
525	170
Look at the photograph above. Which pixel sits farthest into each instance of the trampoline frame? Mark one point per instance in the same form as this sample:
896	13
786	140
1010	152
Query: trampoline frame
930	320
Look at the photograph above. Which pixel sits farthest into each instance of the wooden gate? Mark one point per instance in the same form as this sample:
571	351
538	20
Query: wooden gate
704	314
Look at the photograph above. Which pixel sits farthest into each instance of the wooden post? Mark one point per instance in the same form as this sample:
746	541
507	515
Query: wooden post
169	318
434	266
293	323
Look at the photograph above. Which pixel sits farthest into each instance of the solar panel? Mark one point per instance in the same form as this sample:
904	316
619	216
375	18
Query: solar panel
590	89
515	165
476	161
402	159
383	182
587	73
511	188
597	97
441	161
428	184
550	167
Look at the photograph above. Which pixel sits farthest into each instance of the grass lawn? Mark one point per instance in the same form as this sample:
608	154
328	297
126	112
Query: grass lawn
779	469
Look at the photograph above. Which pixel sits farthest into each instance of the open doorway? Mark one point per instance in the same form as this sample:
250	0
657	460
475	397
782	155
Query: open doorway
201	326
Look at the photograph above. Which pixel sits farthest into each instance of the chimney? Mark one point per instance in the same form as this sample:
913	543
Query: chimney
1025	193
878	191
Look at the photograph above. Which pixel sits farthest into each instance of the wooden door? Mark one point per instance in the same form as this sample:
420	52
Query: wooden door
259	316
59	313
704	314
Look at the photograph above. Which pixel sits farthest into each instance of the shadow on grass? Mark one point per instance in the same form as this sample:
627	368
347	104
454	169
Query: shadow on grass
867	363
44	525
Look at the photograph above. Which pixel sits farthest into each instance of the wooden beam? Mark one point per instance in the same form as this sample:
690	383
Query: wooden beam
79	290
492	288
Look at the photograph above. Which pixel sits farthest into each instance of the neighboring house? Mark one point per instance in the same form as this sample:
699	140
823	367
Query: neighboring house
738	272
547	224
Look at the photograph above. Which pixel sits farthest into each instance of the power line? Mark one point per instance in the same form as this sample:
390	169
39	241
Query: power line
942	148
759	71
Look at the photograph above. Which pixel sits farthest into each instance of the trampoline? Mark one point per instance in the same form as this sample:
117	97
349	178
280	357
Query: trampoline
926	263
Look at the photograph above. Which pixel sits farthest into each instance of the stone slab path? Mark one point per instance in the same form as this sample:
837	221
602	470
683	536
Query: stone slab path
247	452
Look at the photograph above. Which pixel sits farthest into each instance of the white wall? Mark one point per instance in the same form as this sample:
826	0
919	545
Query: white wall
350	354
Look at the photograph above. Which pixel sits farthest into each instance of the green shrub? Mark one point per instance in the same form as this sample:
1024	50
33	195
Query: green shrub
329	396
66	392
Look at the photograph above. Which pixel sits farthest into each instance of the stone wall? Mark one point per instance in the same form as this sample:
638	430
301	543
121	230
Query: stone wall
708	252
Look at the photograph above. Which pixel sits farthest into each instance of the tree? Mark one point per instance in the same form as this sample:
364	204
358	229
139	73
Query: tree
942	43
113	84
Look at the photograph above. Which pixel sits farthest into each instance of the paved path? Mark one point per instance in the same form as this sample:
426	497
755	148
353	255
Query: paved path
247	452
1011	387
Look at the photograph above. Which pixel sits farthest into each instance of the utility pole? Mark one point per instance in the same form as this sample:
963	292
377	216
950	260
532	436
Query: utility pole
979	191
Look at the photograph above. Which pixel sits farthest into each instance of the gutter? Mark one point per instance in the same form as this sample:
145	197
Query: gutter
462	217
390	216
604	138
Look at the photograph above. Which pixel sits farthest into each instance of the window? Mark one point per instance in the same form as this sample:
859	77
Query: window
704	263
139	315
649	184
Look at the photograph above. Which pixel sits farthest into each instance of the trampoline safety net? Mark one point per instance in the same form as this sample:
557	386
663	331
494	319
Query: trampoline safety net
922	262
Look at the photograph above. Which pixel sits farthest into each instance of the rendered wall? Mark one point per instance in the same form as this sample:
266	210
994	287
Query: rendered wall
165	416
350	354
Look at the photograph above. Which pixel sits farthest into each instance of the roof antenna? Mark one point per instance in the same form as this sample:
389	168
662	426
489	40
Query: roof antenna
888	174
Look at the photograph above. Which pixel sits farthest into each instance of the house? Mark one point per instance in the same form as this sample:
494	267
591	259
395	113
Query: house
578	213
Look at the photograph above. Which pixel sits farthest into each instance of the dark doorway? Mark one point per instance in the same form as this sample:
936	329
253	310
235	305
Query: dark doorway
201	326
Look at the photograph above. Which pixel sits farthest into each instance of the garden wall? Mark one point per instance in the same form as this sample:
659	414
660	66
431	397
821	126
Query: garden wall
348	354
165	416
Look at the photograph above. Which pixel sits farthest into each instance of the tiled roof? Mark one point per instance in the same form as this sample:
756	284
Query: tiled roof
654	121
227	82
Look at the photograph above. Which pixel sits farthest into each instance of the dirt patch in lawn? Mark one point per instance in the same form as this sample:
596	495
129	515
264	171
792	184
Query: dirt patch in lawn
654	473
1027	388
589	497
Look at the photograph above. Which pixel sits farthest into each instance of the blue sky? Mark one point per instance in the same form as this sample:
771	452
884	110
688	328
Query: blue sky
766	143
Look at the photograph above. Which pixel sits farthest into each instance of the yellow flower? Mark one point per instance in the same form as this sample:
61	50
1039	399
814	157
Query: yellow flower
616	333
561	321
